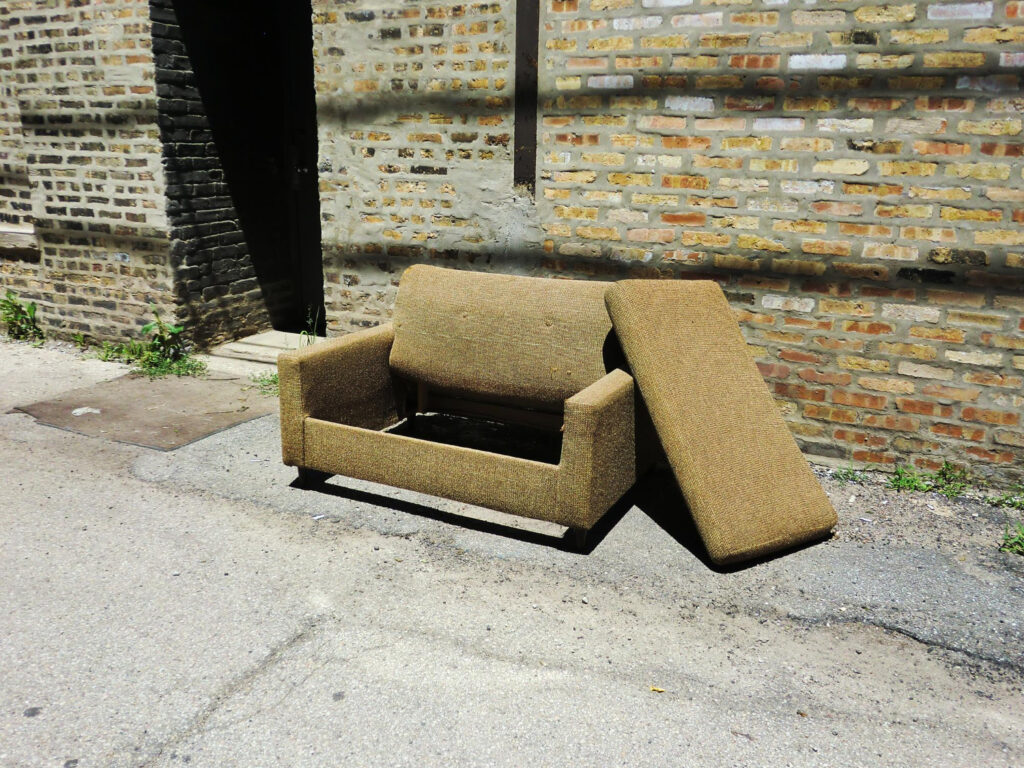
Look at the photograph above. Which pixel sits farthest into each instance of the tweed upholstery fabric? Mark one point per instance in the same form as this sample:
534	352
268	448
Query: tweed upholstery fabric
518	486
344	380
597	468
750	490
336	396
526	341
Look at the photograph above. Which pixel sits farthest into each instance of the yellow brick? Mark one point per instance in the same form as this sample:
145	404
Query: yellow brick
646	198
904	211
724	41
854	363
918	36
969	214
568	83
785	39
770	164
603	158
808	104
806	144
610	44
575	212
756	243
987	35
598	233
884	61
762	19
999	237
953	59
907	168
664	41
896	386
1015	260
694	62
747	142
843	166
630	179
802	225
885	14
941	193
845	307
1008	127
575	177
982	171
916	351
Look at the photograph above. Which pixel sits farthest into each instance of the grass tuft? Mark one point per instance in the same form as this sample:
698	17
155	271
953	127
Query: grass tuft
266	383
848	475
951	481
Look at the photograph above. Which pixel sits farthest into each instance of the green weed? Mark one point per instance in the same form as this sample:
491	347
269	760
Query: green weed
950	480
266	383
848	475
1013	539
163	354
308	337
1012	499
20	318
907	479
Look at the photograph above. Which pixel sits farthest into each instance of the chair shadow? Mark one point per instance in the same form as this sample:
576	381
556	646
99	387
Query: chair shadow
658	496
567	542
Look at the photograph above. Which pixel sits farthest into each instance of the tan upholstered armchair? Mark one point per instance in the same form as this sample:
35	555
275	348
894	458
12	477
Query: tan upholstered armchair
526	353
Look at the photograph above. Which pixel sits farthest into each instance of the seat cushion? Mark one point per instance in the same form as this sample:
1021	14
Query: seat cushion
525	341
749	489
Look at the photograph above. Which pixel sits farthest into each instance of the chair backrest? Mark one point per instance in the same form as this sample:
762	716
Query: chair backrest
525	341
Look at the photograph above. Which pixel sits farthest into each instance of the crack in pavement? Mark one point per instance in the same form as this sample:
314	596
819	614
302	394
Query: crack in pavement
198	723
978	658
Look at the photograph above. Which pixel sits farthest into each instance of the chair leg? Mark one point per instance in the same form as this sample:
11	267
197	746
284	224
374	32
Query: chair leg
578	538
311	478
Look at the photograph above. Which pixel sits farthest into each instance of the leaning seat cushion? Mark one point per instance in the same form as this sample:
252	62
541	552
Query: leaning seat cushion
532	342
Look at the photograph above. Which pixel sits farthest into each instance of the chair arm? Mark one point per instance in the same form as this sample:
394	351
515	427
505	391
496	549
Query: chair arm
345	380
598	449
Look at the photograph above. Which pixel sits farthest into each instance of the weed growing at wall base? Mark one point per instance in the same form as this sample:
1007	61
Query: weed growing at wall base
163	354
20	318
949	480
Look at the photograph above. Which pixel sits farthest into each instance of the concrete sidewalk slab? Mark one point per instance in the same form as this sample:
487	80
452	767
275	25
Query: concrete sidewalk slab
164	413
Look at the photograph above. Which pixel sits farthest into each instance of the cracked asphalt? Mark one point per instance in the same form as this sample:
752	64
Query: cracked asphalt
193	608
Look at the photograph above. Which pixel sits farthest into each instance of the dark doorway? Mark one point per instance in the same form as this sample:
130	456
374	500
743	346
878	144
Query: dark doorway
253	66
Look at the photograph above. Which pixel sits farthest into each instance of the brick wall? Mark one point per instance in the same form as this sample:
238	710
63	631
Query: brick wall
415	122
217	285
850	173
81	75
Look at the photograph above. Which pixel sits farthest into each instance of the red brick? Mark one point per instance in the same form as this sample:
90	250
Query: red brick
860	438
898	423
859	399
800	392
874	457
959	432
989	416
923	407
773	370
996	457
799	356
692	218
824	377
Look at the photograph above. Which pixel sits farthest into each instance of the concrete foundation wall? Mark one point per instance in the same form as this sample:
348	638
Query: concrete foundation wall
851	175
